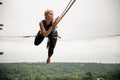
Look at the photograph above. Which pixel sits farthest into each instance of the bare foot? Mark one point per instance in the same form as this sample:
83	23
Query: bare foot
48	60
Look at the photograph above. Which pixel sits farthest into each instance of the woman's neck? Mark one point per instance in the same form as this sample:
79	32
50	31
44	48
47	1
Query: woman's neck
48	21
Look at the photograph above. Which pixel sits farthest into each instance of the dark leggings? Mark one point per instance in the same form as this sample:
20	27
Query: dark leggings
51	42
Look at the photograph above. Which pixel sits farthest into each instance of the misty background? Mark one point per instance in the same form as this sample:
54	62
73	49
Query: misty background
90	31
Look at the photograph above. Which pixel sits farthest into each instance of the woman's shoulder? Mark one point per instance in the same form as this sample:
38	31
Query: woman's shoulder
42	21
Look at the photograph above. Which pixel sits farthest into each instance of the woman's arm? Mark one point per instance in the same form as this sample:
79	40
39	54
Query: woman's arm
43	31
46	33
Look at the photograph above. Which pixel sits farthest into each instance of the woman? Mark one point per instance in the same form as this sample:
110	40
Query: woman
48	29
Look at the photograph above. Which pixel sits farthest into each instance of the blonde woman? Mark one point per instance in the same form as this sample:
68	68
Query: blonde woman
48	29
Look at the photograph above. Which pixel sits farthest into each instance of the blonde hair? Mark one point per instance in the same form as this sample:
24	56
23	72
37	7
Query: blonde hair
48	11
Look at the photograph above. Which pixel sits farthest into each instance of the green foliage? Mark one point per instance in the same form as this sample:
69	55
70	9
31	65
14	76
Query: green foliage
59	71
88	76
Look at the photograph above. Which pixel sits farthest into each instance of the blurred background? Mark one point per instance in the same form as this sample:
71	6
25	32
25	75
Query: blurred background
90	31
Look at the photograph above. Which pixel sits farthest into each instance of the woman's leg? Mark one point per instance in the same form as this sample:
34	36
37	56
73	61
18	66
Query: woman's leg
38	39
52	43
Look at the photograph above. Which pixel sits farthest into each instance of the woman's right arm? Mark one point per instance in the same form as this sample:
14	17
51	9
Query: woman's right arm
46	33
43	31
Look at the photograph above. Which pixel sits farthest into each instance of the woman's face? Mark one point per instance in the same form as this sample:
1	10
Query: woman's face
49	15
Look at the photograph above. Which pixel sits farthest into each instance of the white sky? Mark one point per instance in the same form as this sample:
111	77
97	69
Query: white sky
86	19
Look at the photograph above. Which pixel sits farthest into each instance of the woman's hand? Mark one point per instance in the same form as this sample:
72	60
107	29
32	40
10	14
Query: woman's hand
55	22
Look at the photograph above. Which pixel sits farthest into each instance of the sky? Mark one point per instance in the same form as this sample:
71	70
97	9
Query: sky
90	30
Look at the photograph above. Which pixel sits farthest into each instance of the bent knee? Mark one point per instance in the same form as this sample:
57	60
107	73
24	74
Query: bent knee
36	44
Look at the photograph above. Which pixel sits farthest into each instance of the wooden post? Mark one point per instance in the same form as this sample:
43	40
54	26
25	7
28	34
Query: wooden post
1	28
1	53
1	25
0	3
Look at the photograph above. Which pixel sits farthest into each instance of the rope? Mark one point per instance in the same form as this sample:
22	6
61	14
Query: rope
67	8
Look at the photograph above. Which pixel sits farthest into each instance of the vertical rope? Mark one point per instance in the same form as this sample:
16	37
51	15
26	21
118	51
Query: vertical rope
66	9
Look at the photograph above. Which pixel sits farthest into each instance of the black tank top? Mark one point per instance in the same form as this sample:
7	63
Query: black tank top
48	26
